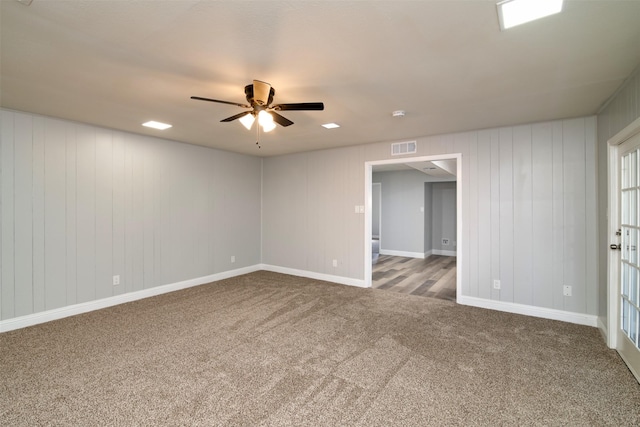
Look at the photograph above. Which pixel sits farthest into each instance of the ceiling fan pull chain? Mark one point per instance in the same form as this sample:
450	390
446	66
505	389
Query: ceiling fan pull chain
258	136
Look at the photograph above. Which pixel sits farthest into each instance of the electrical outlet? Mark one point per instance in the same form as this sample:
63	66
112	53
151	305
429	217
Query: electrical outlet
335	262
116	280
496	284
566	290
445	242
233	258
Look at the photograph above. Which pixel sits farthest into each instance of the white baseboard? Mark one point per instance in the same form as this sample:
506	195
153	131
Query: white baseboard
528	310
85	307
72	310
313	275
402	253
443	253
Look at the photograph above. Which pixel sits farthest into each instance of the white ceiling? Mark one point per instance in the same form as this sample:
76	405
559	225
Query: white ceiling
446	63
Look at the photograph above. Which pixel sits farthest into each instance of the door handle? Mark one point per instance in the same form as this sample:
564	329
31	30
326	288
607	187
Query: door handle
615	246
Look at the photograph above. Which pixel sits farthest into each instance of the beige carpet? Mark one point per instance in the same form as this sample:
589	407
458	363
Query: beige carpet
270	349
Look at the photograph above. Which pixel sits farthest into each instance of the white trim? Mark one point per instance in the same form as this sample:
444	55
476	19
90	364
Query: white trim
318	276
613	258
626	133
529	310
444	253
612	222
402	253
85	307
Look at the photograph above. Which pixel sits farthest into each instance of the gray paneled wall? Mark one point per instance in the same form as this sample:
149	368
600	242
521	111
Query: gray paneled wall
443	216
80	204
417	212
621	111
403	224
529	211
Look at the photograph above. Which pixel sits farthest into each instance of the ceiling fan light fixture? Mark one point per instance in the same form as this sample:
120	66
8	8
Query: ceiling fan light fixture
266	121
247	121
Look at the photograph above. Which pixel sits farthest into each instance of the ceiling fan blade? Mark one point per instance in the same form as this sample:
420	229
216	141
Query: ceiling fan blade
282	121
237	116
221	102
261	92
302	106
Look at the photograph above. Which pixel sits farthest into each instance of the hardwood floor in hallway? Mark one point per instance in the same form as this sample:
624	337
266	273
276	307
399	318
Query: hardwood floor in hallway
433	277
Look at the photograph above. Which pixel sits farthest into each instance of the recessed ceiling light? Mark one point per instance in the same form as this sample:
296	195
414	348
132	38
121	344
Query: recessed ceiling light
398	113
516	12
330	125
156	125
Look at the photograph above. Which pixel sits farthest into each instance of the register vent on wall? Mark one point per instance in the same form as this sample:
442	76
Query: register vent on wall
407	147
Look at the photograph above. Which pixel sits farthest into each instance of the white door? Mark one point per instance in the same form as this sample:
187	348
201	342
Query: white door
628	290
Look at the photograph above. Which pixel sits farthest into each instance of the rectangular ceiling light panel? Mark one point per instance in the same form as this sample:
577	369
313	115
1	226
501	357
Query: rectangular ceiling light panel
156	125
516	12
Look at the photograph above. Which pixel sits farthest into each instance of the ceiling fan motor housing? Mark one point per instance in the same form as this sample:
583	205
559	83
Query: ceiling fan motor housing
259	98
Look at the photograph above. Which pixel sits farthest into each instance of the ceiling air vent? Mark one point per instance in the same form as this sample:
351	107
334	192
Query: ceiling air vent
407	147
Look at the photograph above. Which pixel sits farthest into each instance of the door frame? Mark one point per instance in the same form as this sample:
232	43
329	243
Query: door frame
368	181
612	226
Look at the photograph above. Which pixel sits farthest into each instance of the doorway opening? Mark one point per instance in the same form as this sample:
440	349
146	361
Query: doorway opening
418	266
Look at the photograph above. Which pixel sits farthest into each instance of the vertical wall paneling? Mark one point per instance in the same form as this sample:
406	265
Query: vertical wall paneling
355	195
118	210
317	207
71	213
574	173
591	213
23	204
160	181
137	215
129	227
522	216
86	213
514	229
558	243
80	204
495	212
7	233
95	203
285	201
219	213
147	212
104	214
483	205
55	211
472	243
38	124
542	211
507	235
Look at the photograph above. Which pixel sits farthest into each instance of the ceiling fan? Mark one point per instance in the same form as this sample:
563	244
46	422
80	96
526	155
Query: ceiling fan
260	96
